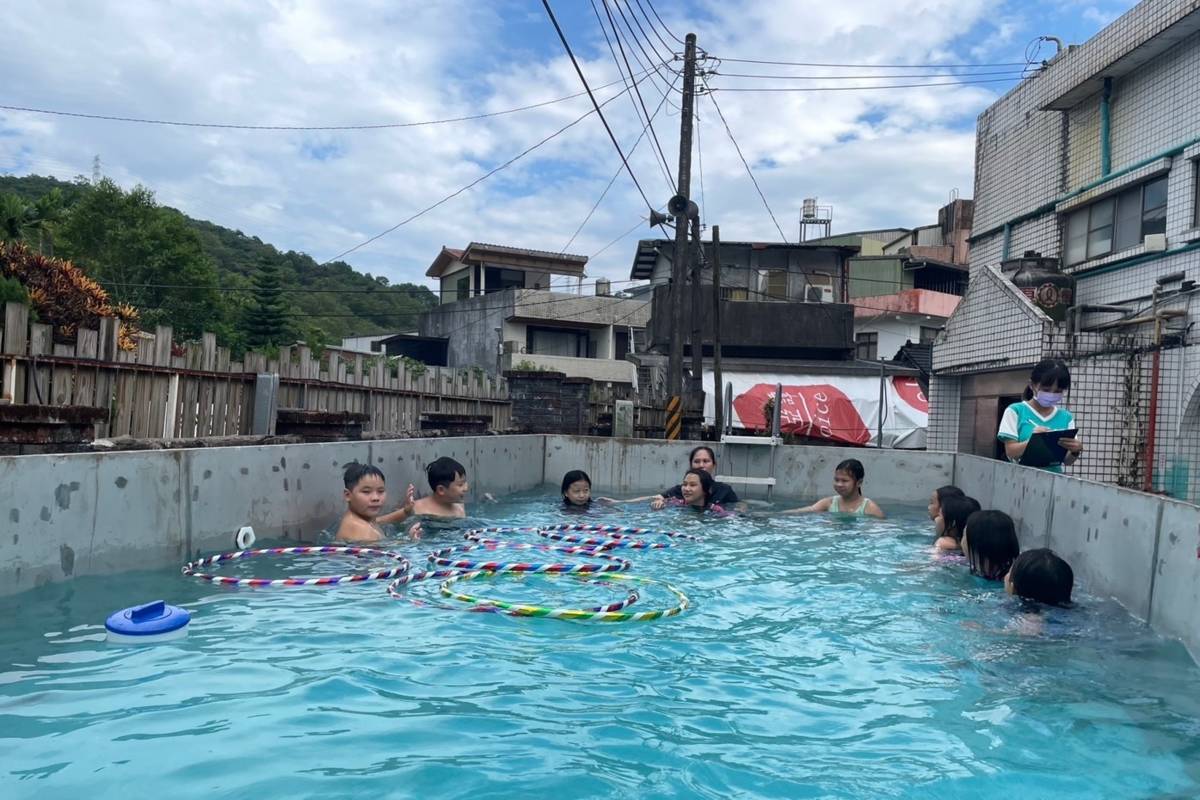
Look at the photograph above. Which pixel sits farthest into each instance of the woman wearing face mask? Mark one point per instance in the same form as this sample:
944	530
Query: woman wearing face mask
1041	411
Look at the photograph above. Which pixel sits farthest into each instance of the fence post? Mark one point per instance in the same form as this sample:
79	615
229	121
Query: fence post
266	404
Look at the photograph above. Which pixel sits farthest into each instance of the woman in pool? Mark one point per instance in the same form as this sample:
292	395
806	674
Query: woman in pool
849	500
702	458
697	489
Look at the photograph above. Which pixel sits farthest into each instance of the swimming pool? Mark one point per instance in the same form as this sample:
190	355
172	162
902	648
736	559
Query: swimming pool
820	658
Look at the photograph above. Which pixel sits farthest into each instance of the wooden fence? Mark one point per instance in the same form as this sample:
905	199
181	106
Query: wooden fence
649	413
160	389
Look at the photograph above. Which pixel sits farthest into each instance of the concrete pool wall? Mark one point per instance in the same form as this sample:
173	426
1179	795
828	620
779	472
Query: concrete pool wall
103	513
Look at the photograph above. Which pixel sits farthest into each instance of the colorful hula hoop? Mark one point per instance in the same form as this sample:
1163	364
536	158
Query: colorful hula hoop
393	591
619	532
525	610
445	558
329	580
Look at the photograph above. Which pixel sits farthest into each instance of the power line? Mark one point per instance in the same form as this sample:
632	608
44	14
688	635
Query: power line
746	164
231	126
700	160
1009	73
612	180
638	40
660	20
639	224
859	88
639	102
649	22
566	46
877	66
490	173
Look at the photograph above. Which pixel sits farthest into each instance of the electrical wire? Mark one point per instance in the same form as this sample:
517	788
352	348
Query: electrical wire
858	88
746	164
639	102
649	22
700	160
638	40
661	22
655	63
876	66
490	173
365	127
613	179
640	222
1009	73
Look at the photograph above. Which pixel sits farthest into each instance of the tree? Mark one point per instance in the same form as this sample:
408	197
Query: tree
14	218
266	321
47	213
145	256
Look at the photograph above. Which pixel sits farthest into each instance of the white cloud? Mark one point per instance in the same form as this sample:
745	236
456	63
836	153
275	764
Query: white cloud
882	158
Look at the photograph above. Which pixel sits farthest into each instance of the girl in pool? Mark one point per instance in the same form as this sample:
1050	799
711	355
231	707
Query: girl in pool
849	500
990	544
939	496
697	489
952	521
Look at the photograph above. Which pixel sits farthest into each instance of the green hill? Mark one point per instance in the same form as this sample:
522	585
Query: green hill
195	275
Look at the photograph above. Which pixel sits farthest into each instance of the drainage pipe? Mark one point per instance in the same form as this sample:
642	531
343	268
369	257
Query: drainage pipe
1106	129
1152	427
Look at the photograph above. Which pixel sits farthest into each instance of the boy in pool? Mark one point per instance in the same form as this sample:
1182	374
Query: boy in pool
1042	576
365	494
448	482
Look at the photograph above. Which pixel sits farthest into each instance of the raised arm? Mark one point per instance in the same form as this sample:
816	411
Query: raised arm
404	512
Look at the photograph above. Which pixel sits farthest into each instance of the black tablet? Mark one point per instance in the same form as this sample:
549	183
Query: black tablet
1044	450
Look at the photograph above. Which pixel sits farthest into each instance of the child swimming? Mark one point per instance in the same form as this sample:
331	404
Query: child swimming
939	496
365	494
849	500
952	521
1041	575
448	482
989	542
697	488
576	490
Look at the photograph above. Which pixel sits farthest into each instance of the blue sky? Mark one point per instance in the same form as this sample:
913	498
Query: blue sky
882	158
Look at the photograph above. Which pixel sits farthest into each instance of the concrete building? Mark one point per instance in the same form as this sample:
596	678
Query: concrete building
498	313
368	344
905	292
1093	161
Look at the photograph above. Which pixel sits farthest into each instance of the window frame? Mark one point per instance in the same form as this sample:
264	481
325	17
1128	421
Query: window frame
1082	229
462	288
869	340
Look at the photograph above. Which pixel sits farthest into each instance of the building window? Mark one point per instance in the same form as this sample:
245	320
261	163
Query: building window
557	342
866	346
497	279
734	293
463	288
928	334
773	284
1117	223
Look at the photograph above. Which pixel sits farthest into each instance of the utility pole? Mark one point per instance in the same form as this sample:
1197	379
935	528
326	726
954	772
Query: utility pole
697	339
718	378
682	190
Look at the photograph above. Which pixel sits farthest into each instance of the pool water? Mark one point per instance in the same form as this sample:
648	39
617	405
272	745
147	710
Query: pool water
820	658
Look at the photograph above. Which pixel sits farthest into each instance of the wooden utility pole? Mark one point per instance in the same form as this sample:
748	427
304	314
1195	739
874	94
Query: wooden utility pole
682	189
697	338
718	379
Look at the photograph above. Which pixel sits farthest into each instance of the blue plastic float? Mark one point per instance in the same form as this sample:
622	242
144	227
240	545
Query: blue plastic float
148	624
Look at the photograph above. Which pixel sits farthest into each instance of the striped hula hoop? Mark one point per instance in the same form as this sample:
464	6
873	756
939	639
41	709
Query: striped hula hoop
393	591
525	610
403	566
446	558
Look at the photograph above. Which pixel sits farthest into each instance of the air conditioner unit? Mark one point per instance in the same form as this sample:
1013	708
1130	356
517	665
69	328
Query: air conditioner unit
1155	242
818	294
512	347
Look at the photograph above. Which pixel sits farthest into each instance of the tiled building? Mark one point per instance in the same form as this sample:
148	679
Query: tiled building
1094	161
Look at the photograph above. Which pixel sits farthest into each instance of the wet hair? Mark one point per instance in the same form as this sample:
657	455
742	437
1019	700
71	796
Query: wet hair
992	544
956	510
355	472
1049	372
571	477
1042	576
852	467
706	482
948	491
443	471
706	448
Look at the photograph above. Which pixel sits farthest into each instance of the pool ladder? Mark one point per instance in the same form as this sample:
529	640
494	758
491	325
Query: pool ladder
773	441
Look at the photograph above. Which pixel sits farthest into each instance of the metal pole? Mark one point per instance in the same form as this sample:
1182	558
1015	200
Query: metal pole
683	188
882	400
777	411
718	379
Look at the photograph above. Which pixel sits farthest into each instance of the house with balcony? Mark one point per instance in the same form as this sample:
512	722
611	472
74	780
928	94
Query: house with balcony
498	311
1091	165
784	321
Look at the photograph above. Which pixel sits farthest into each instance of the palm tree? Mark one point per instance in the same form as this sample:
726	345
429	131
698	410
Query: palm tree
15	218
47	213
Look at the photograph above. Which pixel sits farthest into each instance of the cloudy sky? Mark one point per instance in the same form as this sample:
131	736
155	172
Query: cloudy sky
881	158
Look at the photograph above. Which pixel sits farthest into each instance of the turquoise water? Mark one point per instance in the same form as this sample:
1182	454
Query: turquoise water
820	659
